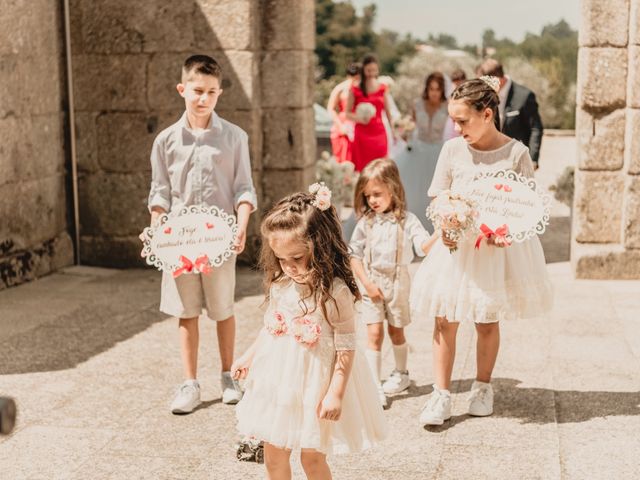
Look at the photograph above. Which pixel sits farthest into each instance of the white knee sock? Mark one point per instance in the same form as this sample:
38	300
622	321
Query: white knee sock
374	359
400	353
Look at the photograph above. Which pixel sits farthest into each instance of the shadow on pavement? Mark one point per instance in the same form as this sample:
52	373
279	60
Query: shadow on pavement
72	339
538	405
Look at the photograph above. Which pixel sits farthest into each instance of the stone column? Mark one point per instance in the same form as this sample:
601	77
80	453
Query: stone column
34	238
288	40
606	229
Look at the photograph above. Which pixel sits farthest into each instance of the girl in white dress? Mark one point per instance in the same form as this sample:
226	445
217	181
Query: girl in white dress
485	285
385	241
306	386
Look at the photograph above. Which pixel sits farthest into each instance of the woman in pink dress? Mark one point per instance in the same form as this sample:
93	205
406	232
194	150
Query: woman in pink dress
342	128
370	136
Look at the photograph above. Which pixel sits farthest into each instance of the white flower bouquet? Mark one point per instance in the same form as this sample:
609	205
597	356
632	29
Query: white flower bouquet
339	177
365	112
404	126
452	214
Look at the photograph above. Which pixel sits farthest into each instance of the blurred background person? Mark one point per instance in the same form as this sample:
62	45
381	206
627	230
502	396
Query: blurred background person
519	116
457	77
342	128
370	136
417	162
395	146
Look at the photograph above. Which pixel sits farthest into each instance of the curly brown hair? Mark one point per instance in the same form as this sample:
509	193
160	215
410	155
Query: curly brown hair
386	172
321	232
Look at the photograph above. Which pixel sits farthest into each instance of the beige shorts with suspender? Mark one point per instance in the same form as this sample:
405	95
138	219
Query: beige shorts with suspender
393	282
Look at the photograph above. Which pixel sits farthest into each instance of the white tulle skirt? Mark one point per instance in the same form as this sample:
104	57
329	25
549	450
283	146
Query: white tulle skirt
285	386
483	286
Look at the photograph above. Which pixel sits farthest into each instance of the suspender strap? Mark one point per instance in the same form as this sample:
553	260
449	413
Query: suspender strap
399	242
367	240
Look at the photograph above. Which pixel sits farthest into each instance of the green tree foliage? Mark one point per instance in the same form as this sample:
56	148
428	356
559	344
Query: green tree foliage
554	53
343	36
547	62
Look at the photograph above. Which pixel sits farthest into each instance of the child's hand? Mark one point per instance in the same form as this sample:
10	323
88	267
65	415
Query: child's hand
373	291
240	368
239	242
499	242
447	241
330	408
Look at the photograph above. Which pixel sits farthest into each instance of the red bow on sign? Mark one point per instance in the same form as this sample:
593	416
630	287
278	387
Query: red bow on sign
201	265
187	266
501	232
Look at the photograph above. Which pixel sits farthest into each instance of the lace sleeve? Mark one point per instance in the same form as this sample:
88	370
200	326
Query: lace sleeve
524	164
343	318
442	177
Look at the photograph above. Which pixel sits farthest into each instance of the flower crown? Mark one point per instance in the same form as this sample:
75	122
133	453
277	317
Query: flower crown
322	200
492	82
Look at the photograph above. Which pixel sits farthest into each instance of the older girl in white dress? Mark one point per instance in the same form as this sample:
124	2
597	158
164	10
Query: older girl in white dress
307	388
486	285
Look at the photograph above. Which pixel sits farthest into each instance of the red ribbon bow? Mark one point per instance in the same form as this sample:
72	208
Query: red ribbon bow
501	232
201	265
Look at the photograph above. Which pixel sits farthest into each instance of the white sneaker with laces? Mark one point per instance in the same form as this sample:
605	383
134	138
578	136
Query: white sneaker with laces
397	382
187	397
384	402
437	408
481	399
231	391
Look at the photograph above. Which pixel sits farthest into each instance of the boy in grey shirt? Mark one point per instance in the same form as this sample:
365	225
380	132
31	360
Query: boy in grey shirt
202	160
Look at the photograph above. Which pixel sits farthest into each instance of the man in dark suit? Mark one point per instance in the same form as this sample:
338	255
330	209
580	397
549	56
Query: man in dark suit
519	117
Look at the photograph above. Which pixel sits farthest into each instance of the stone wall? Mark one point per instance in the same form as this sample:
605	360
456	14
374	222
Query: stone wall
33	200
606	227
127	61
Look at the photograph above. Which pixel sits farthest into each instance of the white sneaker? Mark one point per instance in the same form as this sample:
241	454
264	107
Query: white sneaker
481	399
231	391
397	382
384	402
187	397
437	409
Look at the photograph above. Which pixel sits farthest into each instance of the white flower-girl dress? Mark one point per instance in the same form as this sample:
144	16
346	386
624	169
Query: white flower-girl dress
291	371
488	284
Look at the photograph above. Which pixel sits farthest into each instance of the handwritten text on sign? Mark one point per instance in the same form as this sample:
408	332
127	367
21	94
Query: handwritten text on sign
508	198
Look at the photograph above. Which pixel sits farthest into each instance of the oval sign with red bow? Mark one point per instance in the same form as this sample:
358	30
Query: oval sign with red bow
195	240
510	206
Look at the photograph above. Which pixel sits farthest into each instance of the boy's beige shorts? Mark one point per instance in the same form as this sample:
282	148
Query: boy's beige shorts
394	307
192	293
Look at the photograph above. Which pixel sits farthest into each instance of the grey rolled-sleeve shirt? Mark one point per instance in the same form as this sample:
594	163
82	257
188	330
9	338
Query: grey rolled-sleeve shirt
201	167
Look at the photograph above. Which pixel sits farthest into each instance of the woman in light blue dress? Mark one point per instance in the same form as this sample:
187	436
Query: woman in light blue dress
417	162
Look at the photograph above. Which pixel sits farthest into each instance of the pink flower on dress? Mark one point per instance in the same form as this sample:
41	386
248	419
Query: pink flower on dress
305	331
276	324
